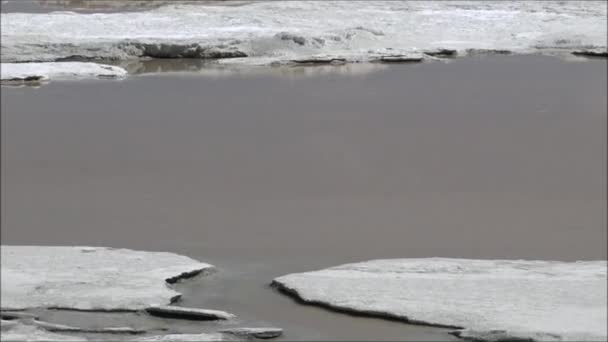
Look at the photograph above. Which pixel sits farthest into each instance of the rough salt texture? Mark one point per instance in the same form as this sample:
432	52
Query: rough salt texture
19	72
90	278
288	30
261	333
493	299
188	313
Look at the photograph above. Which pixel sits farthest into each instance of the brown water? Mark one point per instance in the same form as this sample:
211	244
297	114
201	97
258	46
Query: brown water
263	175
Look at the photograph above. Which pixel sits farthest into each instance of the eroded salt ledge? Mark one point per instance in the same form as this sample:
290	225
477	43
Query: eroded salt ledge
36	72
90	278
188	313
282	31
493	300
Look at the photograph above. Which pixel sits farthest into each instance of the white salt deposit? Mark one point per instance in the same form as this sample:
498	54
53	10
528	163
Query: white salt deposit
491	299
90	278
58	70
287	30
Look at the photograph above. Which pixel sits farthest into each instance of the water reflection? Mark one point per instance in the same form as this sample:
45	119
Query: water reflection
198	67
208	69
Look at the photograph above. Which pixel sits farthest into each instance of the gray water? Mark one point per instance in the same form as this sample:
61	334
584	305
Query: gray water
263	174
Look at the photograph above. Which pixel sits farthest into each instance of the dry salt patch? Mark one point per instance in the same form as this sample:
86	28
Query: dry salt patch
91	278
490	300
37	72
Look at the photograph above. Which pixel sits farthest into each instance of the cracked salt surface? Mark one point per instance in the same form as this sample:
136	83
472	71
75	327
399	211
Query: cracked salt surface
492	300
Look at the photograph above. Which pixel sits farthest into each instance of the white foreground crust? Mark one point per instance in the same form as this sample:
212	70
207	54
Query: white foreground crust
492	299
90	278
58	70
